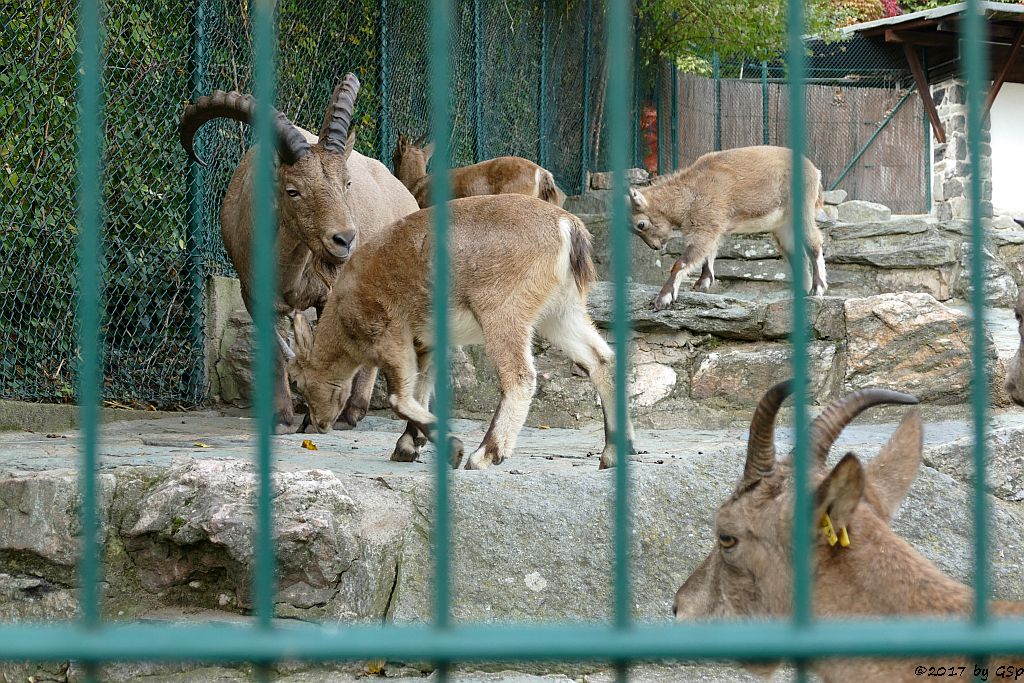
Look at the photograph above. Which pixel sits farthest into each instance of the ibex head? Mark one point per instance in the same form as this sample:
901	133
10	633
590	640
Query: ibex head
324	390
1015	369
649	223
749	574
312	178
411	158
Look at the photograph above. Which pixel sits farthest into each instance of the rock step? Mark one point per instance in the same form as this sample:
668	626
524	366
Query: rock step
531	538
908	253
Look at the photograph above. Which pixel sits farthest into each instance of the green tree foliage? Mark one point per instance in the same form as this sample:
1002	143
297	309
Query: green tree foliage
688	30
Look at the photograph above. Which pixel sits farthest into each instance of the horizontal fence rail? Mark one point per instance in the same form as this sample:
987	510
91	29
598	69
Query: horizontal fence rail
801	639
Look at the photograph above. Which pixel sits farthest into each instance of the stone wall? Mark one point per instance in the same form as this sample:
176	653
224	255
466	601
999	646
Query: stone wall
951	172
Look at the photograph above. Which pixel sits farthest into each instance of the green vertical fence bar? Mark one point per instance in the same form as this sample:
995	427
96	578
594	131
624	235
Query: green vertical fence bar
440	120
264	289
658	114
197	248
618	65
384	114
588	10
717	76
478	85
90	257
543	147
802	611
675	117
975	70
764	103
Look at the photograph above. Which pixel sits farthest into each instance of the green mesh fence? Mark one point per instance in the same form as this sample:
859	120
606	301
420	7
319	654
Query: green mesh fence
525	78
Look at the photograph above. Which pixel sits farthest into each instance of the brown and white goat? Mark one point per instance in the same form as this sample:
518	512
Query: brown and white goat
737	191
1015	368
871	572
502	175
329	198
502	292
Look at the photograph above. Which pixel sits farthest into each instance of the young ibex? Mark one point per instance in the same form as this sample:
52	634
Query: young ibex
1015	369
503	175
738	191
502	291
861	568
329	198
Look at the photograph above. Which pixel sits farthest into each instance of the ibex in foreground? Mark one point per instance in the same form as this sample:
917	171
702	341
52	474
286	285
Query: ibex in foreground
738	191
861	568
502	291
329	197
503	175
1015	369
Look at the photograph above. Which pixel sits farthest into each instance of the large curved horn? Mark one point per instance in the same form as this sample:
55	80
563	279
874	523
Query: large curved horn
291	144
334	131
761	442
826	427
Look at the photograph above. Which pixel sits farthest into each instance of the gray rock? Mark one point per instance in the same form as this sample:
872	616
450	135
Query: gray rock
603	180
827	316
592	202
737	377
1004	473
1000	287
333	553
910	249
835	197
906	225
39	518
724	316
908	342
859	211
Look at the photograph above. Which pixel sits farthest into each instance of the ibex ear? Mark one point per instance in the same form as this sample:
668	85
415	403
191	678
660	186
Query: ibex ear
637	199
303	335
350	143
840	493
428	152
892	472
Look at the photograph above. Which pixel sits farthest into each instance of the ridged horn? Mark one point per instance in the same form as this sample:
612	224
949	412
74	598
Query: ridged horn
826	427
334	131
291	144
761	442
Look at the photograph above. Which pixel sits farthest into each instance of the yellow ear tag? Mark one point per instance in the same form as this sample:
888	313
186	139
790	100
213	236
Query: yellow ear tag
309	445
844	538
827	531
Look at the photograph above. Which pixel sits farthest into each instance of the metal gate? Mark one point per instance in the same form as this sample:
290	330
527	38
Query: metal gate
800	639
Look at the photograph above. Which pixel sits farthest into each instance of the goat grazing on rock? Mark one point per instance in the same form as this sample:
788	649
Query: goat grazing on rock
738	191
329	198
503	175
1015	369
861	568
502	291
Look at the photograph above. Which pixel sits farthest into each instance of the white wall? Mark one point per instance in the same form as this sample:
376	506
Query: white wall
1008	149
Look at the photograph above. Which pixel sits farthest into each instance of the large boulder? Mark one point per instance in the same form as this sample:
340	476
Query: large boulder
908	342
860	211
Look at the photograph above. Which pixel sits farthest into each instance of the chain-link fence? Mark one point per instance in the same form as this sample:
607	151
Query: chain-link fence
867	130
526	80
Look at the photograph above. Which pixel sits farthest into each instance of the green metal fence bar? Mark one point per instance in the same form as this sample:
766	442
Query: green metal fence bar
264	291
717	76
90	256
675	117
478	85
543	147
801	535
384	113
585	116
440	120
764	103
746	641
197	248
975	70
617	105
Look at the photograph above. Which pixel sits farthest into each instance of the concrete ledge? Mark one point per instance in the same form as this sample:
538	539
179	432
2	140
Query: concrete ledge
56	417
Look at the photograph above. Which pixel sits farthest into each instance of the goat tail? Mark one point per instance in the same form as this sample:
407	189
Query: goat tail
548	190
581	255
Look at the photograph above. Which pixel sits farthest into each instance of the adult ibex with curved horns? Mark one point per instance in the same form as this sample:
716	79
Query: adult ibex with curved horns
861	568
328	194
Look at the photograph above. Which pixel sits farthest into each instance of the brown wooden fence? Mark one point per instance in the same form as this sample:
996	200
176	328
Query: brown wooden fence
841	120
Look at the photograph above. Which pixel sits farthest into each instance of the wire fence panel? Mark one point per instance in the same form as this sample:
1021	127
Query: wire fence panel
161	215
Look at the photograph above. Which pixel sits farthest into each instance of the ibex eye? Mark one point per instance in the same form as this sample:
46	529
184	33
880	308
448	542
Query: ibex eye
292	192
726	541
348	184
